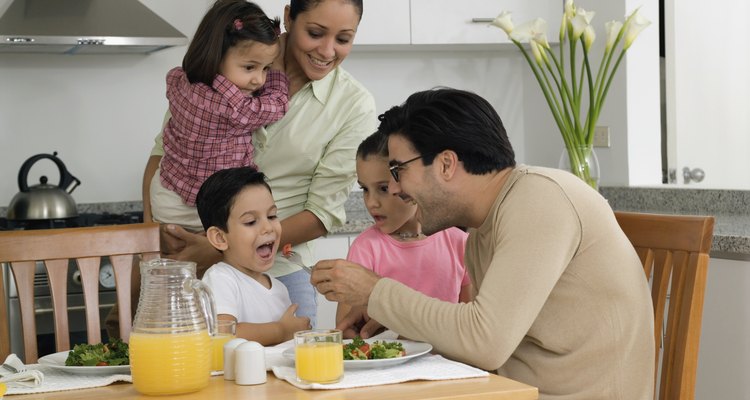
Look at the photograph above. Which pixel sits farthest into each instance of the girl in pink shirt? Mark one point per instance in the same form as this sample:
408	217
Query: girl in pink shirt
395	247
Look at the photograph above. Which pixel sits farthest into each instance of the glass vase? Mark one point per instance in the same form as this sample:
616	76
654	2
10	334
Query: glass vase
581	161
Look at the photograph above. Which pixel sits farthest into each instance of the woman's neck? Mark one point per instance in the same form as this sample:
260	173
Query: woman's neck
294	72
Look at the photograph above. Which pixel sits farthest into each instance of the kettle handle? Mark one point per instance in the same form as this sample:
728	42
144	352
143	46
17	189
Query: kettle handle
66	178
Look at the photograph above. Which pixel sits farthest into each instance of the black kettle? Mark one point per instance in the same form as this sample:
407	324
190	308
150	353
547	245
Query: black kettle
44	201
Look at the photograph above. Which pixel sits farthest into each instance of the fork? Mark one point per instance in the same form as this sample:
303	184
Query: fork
294	257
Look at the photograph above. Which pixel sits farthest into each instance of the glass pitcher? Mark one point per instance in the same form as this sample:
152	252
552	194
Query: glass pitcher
170	348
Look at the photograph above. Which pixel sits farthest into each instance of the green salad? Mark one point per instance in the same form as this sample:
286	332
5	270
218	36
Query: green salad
115	352
358	349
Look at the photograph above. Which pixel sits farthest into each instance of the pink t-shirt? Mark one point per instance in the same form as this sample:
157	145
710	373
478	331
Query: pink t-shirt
433	266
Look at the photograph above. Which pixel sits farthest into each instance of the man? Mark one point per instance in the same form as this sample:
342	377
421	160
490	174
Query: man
562	301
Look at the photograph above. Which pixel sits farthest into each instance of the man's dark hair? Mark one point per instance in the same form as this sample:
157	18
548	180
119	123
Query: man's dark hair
217	194
451	119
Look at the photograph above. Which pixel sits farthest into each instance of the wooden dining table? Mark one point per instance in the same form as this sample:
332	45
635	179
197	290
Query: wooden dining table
490	387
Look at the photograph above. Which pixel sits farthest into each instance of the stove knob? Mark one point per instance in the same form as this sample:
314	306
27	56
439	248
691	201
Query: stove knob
76	278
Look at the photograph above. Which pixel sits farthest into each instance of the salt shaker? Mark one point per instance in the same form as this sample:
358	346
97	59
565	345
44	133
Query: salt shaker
229	358
250	364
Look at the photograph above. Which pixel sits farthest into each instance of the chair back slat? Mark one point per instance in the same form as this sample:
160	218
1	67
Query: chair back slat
89	269
23	275
57	276
674	250
124	245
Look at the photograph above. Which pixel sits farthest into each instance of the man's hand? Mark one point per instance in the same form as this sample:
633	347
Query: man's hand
179	244
358	323
343	281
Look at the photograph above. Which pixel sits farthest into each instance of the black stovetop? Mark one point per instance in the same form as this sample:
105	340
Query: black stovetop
86	219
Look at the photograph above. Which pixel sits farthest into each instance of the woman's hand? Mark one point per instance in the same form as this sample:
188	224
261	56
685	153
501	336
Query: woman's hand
179	244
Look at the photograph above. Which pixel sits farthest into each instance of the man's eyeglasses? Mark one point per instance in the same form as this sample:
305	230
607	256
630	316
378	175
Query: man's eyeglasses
396	166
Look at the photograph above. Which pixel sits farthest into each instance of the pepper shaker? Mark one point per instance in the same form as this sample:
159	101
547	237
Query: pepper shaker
229	358
250	364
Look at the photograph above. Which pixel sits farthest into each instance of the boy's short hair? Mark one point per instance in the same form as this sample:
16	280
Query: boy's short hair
373	145
216	195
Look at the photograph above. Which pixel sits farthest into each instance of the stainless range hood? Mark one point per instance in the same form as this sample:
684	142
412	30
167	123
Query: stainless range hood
84	27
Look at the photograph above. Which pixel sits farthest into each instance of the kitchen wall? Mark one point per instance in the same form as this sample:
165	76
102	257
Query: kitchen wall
101	112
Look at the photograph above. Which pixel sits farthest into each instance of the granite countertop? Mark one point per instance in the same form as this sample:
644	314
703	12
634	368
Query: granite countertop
731	208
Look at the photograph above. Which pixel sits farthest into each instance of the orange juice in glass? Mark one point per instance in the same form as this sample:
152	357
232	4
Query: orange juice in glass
225	331
319	356
189	356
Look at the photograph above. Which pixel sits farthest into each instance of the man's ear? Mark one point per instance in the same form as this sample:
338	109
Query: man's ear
447	161
217	238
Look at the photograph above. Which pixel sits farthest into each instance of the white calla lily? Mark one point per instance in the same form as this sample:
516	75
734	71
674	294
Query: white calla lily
589	35
528	30
613	29
573	93
537	51
570	9
580	21
504	22
634	25
563	27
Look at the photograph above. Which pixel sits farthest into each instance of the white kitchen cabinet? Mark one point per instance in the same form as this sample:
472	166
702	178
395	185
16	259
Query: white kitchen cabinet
384	22
724	355
273	8
452	22
440	22
332	246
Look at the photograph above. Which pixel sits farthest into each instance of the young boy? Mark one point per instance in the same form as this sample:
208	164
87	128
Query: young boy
395	247
239	215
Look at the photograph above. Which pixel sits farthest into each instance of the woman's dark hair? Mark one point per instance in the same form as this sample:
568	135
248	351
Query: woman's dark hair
373	145
217	194
297	7
227	23
451	119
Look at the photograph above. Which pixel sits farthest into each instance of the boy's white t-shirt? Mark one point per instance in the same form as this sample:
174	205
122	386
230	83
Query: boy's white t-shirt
245	298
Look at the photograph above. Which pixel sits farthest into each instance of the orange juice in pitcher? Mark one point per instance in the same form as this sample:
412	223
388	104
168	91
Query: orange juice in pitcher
170	345
186	371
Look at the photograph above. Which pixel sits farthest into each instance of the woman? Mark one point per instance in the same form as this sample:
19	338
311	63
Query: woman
309	155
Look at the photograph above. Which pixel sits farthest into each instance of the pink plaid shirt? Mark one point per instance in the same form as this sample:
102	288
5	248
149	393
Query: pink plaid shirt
211	127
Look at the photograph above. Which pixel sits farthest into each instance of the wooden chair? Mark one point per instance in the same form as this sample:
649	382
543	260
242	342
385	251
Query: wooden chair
55	247
674	251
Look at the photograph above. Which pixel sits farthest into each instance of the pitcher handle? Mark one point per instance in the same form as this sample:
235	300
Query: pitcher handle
206	301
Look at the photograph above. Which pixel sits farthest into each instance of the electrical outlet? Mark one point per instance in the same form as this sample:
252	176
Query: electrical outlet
601	136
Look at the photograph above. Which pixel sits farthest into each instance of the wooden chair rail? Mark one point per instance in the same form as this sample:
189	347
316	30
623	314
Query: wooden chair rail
674	252
123	244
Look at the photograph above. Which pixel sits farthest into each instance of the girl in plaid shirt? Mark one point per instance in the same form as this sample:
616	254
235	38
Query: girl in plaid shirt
227	87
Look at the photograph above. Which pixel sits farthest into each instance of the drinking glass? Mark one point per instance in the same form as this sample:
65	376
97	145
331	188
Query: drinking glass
319	356
225	331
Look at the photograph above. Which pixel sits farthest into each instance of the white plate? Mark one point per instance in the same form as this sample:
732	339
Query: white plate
412	349
57	361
